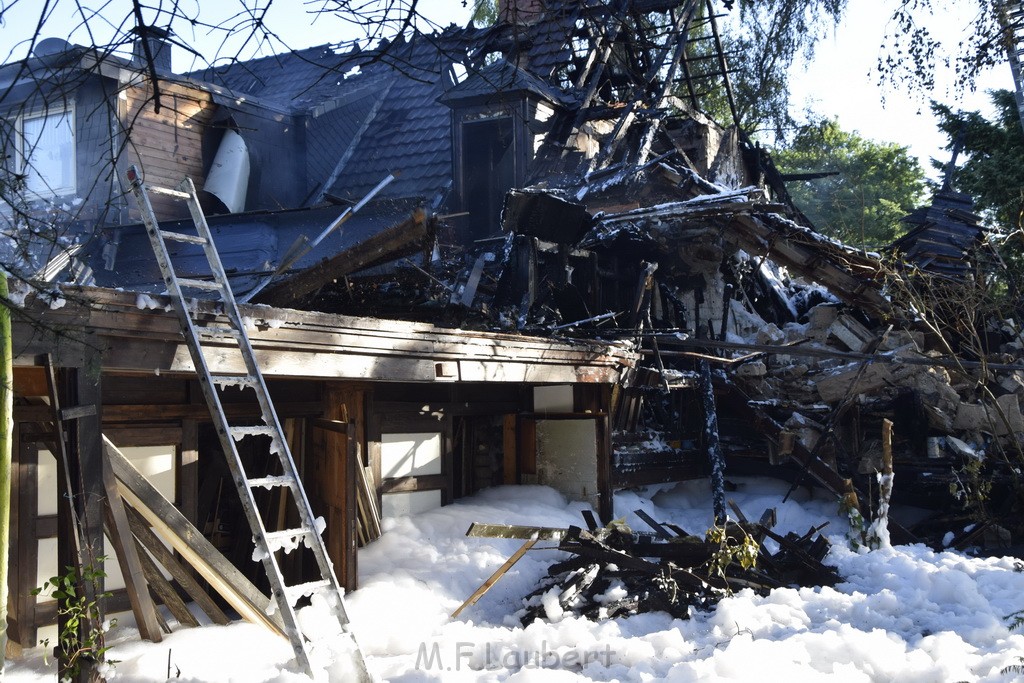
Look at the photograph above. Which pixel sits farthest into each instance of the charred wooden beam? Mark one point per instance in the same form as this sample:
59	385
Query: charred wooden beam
805	458
711	440
399	240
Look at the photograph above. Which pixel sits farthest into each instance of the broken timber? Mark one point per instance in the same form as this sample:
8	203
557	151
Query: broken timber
671	573
399	240
807	460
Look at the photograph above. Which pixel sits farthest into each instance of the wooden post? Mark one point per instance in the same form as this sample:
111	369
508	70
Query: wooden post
711	441
510	461
878	532
85	478
6	450
605	500
887	447
188	471
885	481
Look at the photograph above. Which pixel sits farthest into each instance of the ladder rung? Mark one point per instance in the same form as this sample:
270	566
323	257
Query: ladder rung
242	432
177	194
233	380
206	285
217	332
182	237
272	481
300	590
288	539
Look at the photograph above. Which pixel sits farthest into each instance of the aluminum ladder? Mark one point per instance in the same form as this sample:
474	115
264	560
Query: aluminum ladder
267	542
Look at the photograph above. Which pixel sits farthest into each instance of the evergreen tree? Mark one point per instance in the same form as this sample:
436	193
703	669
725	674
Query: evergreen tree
993	169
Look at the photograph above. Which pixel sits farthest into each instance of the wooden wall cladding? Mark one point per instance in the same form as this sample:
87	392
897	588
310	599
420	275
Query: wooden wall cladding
167	146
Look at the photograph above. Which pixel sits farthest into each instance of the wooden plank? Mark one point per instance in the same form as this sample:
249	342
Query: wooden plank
165	591
493	579
338	484
120	536
540	533
223	577
350	514
336	426
428	482
134	413
661	531
178	572
366	502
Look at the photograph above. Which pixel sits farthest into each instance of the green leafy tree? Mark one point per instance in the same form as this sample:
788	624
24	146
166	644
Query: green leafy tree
765	40
485	12
874	185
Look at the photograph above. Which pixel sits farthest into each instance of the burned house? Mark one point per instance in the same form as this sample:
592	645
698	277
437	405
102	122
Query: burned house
500	255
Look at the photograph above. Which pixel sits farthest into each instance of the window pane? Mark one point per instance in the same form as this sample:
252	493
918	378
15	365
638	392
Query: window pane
50	153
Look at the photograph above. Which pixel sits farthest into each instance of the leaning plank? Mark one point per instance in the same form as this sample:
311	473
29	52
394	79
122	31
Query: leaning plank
183	576
165	591
539	533
224	577
489	583
128	558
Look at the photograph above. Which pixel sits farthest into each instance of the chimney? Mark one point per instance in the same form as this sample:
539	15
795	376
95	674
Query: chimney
521	12
159	48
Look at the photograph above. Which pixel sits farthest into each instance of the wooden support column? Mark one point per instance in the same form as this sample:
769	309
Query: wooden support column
25	506
80	389
510	459
188	471
337	445
711	441
605	500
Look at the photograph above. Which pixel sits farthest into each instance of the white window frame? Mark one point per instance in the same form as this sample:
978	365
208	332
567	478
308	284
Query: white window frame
49	189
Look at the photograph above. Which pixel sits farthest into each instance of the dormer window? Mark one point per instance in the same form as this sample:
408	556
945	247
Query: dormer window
45	154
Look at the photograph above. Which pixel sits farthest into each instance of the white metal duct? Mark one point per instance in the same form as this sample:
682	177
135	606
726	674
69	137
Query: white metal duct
228	179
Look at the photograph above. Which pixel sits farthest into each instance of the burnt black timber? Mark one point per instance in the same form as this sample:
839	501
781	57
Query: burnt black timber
804	458
673	340
650	521
810	254
399	240
606	555
84	477
712	443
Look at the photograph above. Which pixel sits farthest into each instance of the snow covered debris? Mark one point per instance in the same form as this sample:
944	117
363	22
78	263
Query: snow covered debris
905	613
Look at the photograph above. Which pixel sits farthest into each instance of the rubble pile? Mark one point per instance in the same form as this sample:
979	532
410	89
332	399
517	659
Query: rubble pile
614	571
